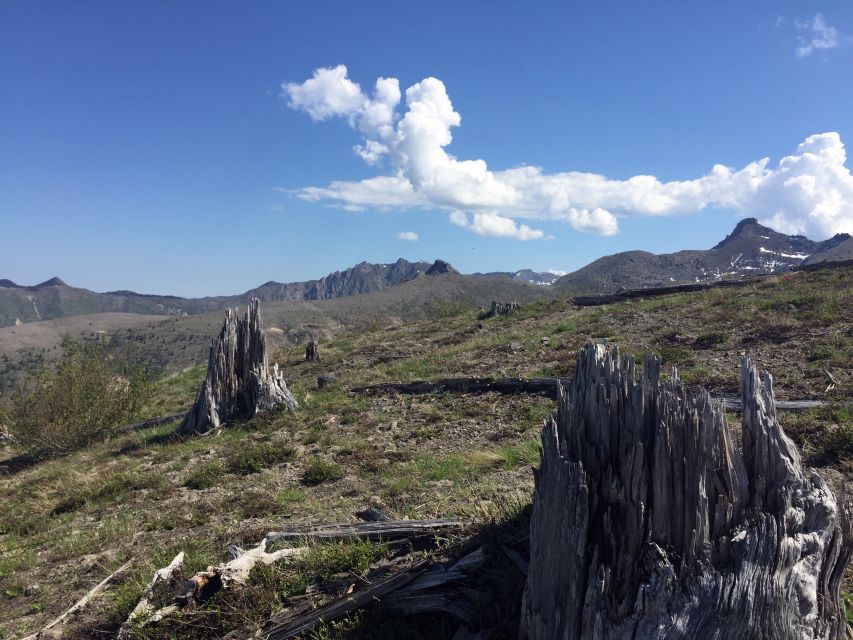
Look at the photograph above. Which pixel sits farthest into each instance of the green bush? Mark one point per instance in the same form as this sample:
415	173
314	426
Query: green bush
319	471
84	398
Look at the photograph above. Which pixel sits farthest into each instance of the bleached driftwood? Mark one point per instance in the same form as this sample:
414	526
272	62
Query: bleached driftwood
83	602
144	608
234	572
239	383
649	523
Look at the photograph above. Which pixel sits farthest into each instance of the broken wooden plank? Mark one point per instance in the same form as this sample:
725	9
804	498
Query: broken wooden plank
386	530
282	630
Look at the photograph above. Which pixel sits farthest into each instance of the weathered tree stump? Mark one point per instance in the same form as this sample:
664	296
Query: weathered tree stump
649	523
312	352
239	383
502	308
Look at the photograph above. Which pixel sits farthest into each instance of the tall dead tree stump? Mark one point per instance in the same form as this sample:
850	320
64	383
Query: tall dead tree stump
649	522
312	352
239	382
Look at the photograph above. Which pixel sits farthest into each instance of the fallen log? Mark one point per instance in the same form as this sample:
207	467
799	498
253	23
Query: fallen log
239	382
650	523
83	602
388	530
153	422
650	292
508	386
538	386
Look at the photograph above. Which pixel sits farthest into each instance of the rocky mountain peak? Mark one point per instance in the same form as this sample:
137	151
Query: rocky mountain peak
53	282
440	266
747	228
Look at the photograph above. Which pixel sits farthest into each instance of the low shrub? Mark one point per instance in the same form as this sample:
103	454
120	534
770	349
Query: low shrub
86	397
319	471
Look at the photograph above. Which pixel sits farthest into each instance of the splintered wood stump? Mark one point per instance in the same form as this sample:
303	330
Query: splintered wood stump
502	308
239	382
312	352
649	522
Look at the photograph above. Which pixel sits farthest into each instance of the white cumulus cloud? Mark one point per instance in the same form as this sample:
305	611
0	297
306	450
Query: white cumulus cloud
408	235
818	35
809	191
489	223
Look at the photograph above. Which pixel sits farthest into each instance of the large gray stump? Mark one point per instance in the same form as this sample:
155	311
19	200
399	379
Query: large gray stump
649	522
239	383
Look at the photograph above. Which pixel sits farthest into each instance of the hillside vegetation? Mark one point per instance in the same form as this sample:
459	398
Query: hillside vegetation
142	496
170	344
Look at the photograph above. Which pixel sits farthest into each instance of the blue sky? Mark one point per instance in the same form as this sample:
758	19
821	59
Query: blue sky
150	146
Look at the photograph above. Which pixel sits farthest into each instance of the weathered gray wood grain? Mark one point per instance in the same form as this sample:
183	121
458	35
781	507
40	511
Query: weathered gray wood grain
239	382
650	523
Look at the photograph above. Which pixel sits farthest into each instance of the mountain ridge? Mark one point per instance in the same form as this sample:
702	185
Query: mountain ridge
751	249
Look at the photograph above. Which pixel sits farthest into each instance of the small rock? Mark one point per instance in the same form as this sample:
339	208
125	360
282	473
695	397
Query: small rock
545	341
372	514
515	346
325	380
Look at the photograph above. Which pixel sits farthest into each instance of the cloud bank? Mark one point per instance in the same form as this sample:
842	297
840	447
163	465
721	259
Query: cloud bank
818	35
809	191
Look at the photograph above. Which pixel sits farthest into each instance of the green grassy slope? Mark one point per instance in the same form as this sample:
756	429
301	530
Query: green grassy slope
68	523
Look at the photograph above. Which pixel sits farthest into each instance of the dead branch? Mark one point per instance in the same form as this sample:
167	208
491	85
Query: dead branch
83	602
832	381
234	572
144	607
